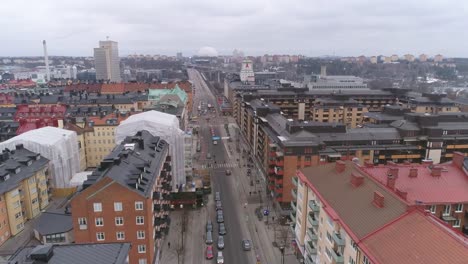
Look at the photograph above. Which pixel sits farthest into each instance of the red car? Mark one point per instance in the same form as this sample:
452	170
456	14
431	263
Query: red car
209	252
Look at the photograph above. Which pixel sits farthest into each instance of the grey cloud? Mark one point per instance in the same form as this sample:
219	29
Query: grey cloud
310	27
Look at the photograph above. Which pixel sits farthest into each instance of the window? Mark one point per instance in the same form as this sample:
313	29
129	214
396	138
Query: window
141	248
97	207
82	223
457	223
329	255
140	234
99	221
120	235
329	221
55	238
119	221
18	215
142	261
433	209
16	204
138	205
100	236
458	208
365	260
329	237
351	260
117	206
447	208
140	220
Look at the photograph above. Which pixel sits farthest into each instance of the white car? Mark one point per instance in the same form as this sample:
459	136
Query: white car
220	258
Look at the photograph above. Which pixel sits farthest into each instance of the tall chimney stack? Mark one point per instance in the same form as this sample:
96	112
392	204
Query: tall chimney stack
46	59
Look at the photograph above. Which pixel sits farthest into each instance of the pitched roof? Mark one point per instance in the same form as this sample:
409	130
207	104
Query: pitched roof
450	187
353	205
111	253
416	239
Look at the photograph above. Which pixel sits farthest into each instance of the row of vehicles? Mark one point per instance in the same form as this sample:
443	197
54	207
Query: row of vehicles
246	244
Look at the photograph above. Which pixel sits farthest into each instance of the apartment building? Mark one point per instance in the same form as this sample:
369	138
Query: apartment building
442	189
339	110
98	135
341	215
430	103
139	170
24	189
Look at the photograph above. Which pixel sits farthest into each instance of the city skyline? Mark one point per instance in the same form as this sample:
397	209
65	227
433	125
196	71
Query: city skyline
256	28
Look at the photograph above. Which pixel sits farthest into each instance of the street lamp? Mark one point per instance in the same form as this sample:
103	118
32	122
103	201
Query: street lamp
281	248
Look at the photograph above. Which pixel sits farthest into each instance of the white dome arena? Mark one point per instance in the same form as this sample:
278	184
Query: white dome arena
207	52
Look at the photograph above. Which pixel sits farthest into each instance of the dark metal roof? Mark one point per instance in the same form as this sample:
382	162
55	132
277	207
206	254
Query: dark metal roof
53	223
12	159
111	253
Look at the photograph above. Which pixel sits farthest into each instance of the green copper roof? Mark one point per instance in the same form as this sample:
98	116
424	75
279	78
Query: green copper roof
157	94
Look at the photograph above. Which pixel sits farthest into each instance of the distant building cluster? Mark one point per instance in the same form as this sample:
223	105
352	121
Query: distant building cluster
395	58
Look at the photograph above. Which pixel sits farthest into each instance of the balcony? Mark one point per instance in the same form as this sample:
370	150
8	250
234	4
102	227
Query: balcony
294	181
311	234
310	248
279	171
338	239
294	194
272	154
309	260
294	205
279	163
314	207
293	216
337	257
312	220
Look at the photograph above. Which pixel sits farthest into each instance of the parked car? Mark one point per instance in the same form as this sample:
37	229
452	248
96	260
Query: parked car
222	229
209	252
217	196
208	156
220	218
246	245
220	258
209	238
220	242
228	172
219	206
209	226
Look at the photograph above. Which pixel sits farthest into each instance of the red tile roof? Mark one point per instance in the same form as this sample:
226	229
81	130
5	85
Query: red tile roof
98	121
416	238
113	88
28	124
450	187
34	111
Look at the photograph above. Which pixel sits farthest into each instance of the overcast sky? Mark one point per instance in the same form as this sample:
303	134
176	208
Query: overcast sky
257	27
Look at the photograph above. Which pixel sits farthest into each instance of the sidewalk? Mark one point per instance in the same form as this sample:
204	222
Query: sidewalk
168	255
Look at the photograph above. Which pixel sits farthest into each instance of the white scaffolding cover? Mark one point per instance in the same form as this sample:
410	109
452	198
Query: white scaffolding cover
58	145
163	125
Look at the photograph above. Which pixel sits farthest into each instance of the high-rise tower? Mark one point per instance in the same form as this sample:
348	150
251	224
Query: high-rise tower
107	62
247	74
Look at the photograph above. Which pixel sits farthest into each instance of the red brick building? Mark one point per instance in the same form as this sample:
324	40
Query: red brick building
126	199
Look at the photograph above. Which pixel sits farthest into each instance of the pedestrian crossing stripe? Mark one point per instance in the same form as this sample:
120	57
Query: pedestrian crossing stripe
220	165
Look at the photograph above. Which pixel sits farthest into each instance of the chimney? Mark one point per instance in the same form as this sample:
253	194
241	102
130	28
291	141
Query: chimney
427	162
402	194
340	166
379	199
394	172
391	180
458	159
356	179
436	171
413	172
323	71
368	164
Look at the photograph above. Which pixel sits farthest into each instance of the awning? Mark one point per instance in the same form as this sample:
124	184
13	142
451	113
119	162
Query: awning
448	218
334	155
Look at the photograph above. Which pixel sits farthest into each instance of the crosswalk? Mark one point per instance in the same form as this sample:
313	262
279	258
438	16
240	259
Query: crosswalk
219	165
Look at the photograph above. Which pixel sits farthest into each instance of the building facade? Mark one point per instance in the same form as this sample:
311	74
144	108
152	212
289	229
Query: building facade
139	169
24	192
107	62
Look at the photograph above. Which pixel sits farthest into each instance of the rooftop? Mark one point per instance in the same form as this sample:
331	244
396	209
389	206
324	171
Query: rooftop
53	223
415	239
450	187
353	206
17	165
111	253
134	163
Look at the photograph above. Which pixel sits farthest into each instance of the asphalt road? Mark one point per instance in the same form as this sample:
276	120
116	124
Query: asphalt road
228	186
